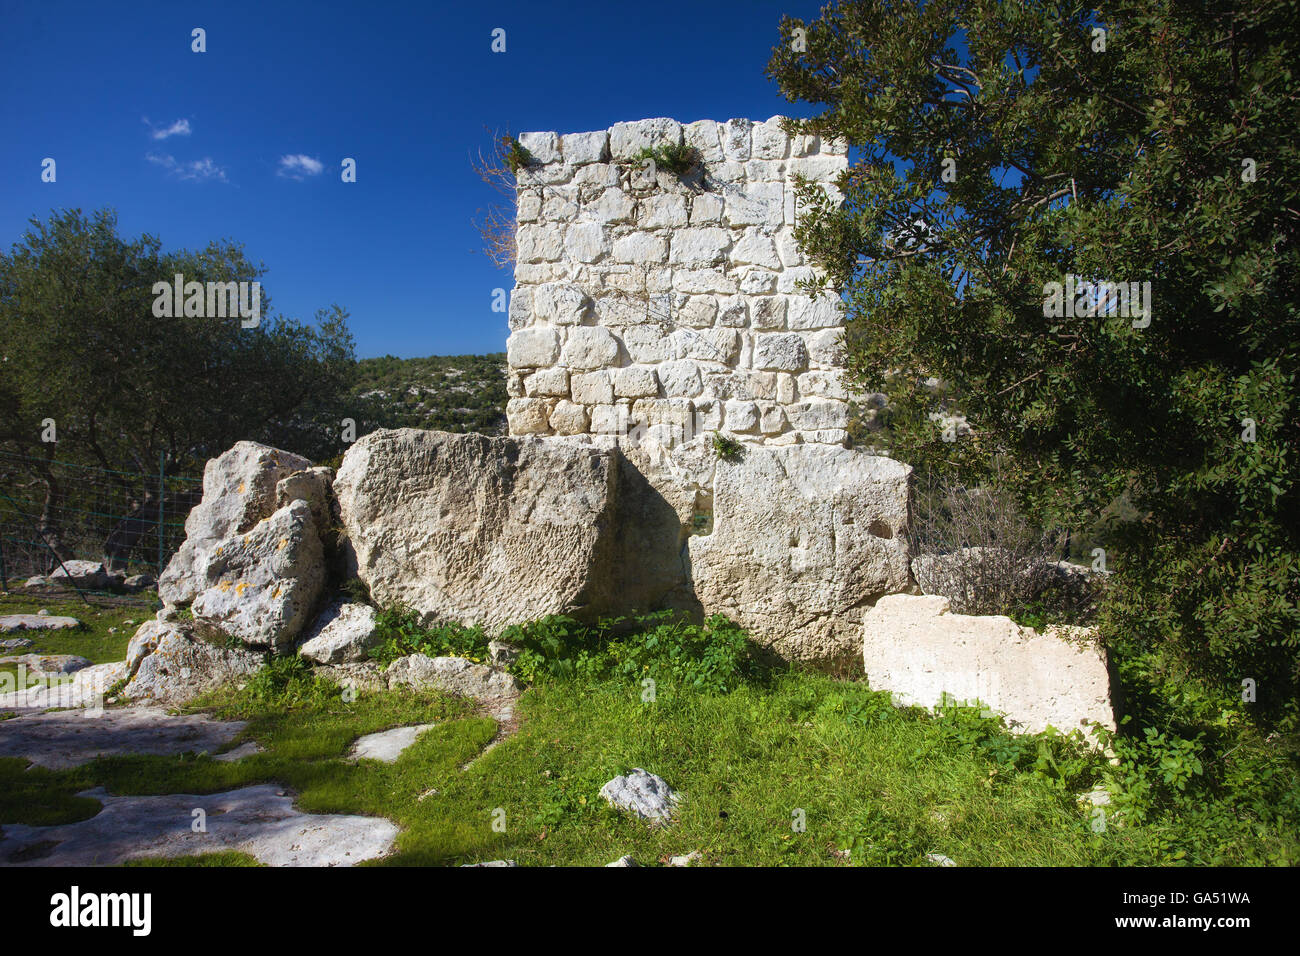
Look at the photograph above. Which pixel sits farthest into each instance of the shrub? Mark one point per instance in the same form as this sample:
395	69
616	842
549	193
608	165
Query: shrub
713	657
399	632
974	546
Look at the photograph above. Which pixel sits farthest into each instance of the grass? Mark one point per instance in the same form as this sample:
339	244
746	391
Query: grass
92	640
751	760
890	785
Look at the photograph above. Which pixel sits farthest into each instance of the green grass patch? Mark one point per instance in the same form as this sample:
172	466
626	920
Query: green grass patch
92	640
775	767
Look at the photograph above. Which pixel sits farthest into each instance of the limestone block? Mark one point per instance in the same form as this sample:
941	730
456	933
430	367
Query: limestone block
260	586
548	383
663	210
545	147
736	139
741	416
916	648
680	379
705	136
613	206
538	244
238	491
520	314
820	313
768	313
703	280
825	347
609	419
769	140
627	140
706	208
771	419
790	279
818	413
568	418
560	304
823	384
596	175
641	248
636	381
486	531
822	169
582	148
707	345
758	282
733	312
743	384
779	351
647	344
558	207
528	416
760	171
826	436
587	241
589	347
532	348
592	388
786	389
756	248
699	247
695	311
528	205
756	204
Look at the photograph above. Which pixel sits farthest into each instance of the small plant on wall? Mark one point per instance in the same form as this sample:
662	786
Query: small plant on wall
727	448
676	158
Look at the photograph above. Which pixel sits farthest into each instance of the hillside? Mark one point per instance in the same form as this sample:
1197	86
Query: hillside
454	393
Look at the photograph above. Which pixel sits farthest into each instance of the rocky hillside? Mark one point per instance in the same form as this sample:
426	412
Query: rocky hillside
453	393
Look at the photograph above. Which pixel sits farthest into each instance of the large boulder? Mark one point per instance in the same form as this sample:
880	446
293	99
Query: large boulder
914	647
239	490
804	537
486	531
261	586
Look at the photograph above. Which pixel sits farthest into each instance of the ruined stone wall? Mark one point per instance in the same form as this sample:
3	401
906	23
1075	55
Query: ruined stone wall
666	305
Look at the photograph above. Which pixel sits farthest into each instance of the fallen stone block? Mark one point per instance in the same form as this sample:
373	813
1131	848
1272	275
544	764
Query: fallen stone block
924	655
484	531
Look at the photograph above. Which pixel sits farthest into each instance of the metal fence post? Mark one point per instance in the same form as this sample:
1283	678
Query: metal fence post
161	493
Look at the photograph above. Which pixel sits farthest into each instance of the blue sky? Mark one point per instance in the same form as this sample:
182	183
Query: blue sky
192	147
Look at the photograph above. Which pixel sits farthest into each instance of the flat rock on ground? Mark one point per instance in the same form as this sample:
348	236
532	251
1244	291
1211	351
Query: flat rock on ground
67	738
48	663
259	820
36	622
387	745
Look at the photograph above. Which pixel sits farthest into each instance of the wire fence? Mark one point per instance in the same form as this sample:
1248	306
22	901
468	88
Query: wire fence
55	511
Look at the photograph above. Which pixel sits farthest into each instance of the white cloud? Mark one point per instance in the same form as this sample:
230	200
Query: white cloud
198	170
298	166
179	128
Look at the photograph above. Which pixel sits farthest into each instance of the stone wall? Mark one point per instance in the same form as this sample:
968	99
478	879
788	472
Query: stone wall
667	304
